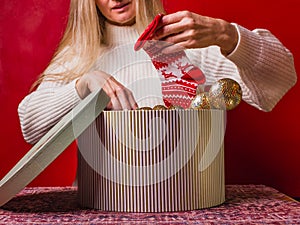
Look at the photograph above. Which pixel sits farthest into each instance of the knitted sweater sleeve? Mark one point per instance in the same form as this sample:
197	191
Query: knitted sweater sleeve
42	109
260	63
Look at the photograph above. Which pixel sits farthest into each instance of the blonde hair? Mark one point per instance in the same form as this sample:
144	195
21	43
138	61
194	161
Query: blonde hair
83	36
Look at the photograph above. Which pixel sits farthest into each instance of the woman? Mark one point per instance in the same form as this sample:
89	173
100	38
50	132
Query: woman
100	35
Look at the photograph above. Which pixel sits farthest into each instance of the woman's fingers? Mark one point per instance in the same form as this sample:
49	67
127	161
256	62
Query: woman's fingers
121	97
132	101
114	101
190	30
174	23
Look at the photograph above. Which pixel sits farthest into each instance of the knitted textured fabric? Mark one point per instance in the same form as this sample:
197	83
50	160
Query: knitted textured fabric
179	76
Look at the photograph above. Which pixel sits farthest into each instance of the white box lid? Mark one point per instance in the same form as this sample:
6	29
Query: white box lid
52	144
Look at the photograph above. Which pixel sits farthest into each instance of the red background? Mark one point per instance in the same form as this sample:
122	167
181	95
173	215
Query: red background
261	148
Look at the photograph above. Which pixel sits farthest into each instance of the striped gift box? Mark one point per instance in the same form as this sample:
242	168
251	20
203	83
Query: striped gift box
152	161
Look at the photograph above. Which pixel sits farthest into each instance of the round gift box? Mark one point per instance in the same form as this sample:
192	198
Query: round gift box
152	161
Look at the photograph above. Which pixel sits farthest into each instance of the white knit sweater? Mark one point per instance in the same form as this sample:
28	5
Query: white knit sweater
260	63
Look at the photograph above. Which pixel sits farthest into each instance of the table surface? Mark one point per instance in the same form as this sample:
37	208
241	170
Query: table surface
250	204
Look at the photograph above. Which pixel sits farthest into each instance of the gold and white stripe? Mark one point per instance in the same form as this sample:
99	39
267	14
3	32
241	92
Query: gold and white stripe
149	161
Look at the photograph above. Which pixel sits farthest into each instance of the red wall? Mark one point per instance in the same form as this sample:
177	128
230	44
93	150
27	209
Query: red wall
30	31
261	148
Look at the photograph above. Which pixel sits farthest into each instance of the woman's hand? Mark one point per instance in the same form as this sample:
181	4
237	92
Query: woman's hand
190	30
120	96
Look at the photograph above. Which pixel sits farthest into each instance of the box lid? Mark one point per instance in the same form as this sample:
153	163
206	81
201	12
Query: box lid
52	144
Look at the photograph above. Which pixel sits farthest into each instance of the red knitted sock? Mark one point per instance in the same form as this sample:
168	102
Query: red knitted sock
179	76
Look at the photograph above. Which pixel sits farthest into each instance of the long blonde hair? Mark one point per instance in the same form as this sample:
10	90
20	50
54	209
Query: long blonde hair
83	36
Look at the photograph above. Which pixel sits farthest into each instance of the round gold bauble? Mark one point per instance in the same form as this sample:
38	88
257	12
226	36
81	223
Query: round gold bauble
159	107
145	108
225	94
172	107
200	101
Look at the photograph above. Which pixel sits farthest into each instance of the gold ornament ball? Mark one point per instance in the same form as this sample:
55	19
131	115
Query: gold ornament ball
201	101
174	107
225	94
145	108
159	107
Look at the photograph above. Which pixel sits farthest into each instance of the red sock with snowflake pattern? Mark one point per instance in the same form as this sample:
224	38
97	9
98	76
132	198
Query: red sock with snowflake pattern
179	76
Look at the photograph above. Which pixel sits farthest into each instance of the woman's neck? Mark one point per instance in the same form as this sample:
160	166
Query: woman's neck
128	23
120	35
